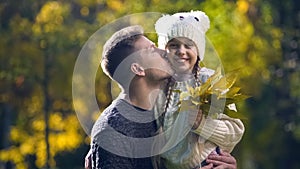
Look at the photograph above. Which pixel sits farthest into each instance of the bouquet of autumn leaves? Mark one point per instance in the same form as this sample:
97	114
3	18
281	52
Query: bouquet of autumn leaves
217	95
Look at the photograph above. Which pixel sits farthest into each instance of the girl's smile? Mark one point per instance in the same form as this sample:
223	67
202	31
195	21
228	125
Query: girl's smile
183	55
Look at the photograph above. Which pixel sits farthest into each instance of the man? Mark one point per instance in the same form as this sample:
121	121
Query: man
122	136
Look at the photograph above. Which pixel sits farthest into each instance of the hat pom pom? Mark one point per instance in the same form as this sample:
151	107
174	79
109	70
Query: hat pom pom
203	19
164	24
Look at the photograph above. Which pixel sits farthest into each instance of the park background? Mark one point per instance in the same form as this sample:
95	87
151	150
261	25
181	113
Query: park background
40	41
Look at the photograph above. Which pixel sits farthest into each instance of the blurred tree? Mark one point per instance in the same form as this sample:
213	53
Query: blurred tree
33	76
274	125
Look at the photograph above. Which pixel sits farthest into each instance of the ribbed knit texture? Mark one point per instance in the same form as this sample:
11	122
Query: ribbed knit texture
113	146
191	150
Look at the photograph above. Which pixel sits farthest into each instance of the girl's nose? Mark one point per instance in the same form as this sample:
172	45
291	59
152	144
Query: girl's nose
181	50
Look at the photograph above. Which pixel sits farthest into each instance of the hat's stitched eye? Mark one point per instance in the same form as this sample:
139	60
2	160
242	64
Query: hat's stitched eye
196	19
181	17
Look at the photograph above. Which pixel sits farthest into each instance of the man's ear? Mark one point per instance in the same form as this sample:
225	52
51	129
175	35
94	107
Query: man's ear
137	69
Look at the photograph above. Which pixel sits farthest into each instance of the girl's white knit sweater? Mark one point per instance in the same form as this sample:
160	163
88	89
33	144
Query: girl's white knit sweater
186	148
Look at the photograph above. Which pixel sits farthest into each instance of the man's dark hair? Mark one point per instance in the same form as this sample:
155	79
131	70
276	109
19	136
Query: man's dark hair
118	47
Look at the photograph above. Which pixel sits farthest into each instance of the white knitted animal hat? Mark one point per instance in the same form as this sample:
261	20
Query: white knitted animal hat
192	25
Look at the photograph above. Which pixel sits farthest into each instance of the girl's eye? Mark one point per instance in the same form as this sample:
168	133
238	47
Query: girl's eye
177	45
173	46
188	46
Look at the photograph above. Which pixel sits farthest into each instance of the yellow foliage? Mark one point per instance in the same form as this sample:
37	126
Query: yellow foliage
49	12
35	103
276	33
14	134
50	17
11	154
67	136
56	122
64	141
20	25
221	87
64	136
72	123
37	29
266	75
105	17
21	166
242	6
4	155
116	5
40	153
84	11
276	44
80	106
27	147
156	1
38	125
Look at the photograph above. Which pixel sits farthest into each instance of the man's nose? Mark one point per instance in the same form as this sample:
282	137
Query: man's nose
161	52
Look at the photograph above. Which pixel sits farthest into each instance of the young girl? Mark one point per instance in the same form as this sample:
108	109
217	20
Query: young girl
183	36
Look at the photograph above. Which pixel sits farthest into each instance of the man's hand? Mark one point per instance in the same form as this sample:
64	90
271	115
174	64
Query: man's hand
88	160
209	166
222	161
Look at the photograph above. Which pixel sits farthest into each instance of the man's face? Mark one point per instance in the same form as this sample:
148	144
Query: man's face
153	60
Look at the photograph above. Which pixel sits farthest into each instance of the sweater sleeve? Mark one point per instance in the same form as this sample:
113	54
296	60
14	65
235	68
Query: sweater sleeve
225	132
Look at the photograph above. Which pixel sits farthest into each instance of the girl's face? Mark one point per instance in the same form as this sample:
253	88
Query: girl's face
183	54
